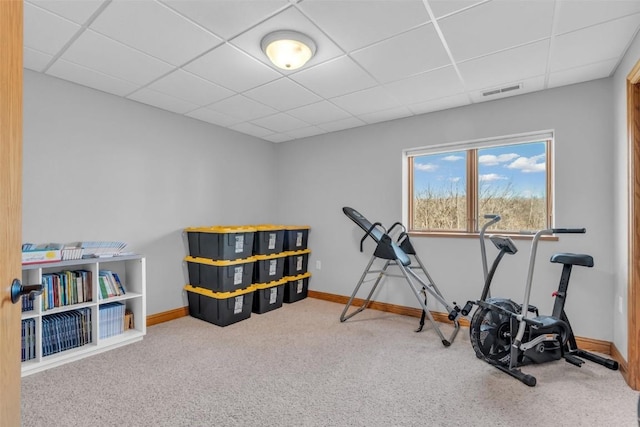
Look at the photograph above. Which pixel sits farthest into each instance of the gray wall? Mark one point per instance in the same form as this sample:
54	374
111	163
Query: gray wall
362	168
620	172
98	167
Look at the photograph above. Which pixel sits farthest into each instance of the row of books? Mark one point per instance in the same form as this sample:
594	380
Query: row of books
27	304
28	339
111	319
66	288
63	331
110	284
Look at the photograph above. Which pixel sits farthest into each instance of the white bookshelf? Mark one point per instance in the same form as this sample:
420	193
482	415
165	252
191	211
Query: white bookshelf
132	272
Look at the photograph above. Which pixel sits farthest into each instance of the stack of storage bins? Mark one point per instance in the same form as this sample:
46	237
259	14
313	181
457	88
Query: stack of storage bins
220	266
296	274
268	271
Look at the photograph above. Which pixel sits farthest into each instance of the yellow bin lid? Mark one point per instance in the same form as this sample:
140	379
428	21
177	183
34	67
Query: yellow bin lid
222	229
300	252
272	256
270	284
297	227
218	295
298	277
268	227
220	263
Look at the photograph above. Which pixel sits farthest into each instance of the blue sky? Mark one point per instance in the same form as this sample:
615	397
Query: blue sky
522	166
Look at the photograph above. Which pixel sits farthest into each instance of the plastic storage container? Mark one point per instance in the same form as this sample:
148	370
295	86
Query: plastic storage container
220	308
296	262
222	275
296	287
268	296
269	239
295	237
269	267
220	242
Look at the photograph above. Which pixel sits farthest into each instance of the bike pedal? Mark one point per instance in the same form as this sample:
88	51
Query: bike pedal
573	360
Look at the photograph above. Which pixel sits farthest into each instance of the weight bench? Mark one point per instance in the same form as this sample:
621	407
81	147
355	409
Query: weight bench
398	253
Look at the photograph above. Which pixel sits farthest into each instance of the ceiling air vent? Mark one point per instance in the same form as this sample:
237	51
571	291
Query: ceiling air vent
502	90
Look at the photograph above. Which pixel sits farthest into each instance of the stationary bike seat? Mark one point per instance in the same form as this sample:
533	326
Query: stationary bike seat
573	259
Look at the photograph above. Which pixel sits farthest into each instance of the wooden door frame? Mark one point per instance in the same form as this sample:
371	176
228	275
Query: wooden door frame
11	72
632	374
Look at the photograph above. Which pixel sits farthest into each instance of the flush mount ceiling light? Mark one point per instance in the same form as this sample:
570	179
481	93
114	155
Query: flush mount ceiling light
287	49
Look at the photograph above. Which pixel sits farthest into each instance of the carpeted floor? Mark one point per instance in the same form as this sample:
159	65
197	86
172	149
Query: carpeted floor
299	366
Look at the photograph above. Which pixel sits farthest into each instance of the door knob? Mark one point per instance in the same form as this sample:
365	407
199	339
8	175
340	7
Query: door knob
17	290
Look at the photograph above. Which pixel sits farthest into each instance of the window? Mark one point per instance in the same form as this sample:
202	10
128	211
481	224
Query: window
451	188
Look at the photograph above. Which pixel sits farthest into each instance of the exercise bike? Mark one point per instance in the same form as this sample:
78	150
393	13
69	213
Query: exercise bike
508	335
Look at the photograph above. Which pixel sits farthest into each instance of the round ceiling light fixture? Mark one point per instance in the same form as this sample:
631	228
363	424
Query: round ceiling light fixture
287	49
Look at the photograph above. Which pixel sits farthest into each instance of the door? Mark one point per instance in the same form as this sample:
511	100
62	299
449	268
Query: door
633	307
10	206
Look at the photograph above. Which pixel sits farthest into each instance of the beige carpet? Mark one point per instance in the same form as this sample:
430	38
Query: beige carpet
299	366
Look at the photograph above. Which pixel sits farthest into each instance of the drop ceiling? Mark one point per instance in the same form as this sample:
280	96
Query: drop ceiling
376	60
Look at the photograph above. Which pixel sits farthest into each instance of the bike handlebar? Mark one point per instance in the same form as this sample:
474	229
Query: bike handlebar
492	216
568	230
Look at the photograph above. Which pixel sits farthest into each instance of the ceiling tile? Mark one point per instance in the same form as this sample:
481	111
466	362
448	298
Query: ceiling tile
507	66
160	100
496	25
121	20
91	78
593	44
441	8
349	123
333	78
74	10
585	73
251	129
410	53
280	122
573	15
527	85
233	69
282	94
46	32
35	60
356	24
305	132
366	101
440	104
227	18
320	112
189	87
242	108
278	137
290	19
211	116
100	53
426	86
386	115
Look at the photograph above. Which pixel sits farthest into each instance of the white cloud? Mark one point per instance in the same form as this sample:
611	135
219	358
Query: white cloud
492	160
452	158
491	177
455	179
428	167
529	164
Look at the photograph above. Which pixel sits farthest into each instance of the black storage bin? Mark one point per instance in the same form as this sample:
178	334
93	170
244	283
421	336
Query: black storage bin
296	288
296	237
220	308
268	296
269	239
296	262
268	268
221	242
222	275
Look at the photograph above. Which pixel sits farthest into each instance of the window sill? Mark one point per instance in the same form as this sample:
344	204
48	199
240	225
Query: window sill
467	235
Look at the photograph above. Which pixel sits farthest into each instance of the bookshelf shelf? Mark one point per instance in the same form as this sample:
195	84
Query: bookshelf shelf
77	321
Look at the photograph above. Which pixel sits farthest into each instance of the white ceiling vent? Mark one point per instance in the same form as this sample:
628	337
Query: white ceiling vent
502	90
